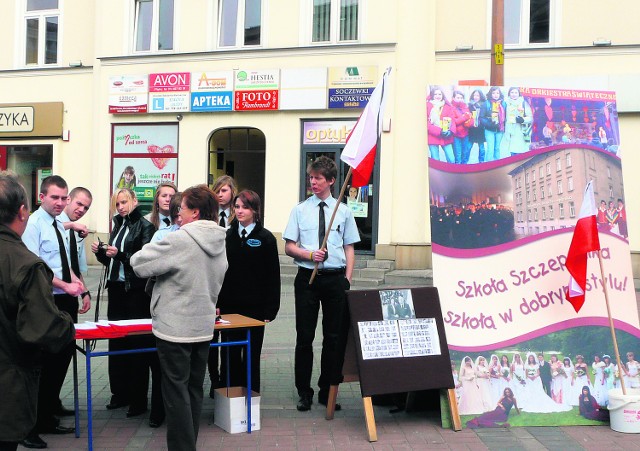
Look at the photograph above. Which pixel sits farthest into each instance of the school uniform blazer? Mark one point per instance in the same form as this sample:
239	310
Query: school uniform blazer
252	283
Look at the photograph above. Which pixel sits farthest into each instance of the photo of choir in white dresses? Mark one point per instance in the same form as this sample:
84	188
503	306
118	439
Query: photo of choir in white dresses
480	383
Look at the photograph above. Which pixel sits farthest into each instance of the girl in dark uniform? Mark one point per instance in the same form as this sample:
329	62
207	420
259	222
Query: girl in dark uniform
251	285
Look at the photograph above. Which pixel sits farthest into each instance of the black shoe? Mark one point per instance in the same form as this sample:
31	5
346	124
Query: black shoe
33	442
57	430
64	412
116	403
134	412
156	422
212	392
324	401
304	403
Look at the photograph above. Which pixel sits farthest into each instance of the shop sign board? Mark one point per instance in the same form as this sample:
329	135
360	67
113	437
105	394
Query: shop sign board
128	94
351	86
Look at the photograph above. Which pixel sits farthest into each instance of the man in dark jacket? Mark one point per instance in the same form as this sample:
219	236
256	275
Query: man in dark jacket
29	320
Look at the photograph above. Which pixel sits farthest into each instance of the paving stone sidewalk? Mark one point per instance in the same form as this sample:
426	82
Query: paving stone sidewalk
284	428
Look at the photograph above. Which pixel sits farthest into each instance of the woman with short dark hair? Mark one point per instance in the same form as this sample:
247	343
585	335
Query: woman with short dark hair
183	308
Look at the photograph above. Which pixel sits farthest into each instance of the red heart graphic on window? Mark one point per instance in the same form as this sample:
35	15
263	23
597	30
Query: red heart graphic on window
159	162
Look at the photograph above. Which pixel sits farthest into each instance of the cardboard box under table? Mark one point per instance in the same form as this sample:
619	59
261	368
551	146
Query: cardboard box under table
230	409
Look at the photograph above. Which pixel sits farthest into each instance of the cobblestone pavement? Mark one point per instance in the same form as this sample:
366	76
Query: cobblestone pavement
284	428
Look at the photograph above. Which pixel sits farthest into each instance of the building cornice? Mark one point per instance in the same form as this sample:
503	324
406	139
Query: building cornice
249	54
546	52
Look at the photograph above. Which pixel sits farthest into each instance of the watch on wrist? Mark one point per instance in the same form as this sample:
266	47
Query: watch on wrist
86	293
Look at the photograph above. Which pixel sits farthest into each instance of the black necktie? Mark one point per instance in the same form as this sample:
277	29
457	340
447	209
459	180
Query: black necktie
73	250
66	274
115	268
167	221
243	235
321	224
222	216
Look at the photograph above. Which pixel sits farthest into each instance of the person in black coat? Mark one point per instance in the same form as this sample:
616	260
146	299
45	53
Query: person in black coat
251	286
129	374
545	374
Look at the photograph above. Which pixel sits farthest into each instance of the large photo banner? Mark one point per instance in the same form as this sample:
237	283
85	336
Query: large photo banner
508	167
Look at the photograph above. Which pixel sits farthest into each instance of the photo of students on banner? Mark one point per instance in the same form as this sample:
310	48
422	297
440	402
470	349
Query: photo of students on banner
505	198
468	125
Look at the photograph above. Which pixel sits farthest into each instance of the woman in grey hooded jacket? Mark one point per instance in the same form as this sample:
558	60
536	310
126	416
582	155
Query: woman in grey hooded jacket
189	265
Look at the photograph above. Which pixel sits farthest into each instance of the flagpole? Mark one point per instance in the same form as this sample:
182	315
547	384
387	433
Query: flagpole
611	327
333	215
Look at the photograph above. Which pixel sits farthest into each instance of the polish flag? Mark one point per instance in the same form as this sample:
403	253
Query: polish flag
585	239
360	149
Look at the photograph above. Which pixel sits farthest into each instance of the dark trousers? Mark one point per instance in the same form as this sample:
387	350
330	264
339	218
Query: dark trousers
329	291
214	362
54	369
183	368
129	374
238	358
8	446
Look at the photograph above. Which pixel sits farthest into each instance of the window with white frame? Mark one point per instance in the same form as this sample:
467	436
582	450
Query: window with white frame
541	172
550	211
533	175
542	192
569	183
559	187
549	193
561	210
544	214
548	165
239	23
568	160
526	177
334	21
41	32
153	25
528	22
558	164
572	209
535	214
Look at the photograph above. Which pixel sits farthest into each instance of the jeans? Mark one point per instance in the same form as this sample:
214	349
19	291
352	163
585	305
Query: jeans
493	144
434	150
461	149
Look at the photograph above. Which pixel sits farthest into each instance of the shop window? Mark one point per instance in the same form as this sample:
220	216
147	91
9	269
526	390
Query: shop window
239	23
334	21
528	22
31	164
41	32
153	25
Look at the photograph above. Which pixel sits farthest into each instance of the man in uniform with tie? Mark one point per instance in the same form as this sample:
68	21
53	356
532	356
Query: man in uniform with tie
46	237
304	234
80	200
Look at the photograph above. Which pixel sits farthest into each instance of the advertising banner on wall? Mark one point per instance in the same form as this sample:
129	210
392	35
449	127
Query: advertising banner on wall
128	94
256	90
507	170
351	87
212	91
169	92
143	156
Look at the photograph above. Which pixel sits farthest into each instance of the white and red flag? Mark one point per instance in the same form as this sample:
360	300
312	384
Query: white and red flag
360	149
585	239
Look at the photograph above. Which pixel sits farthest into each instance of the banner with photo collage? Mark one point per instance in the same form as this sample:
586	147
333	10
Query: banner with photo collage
507	170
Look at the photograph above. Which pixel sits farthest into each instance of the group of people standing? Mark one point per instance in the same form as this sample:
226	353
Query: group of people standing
499	127
613	218
200	253
540	386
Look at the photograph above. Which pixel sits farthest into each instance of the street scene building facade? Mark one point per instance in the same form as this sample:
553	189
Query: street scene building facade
186	91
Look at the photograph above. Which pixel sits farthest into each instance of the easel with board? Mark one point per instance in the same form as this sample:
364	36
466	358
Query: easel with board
394	341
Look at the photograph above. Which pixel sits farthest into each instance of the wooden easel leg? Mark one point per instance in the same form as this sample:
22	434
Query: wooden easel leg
370	419
453	407
331	402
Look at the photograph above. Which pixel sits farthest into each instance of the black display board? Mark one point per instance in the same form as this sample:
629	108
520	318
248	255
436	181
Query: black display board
413	311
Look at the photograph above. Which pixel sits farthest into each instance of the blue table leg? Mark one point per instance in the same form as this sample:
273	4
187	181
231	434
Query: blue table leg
248	380
87	347
76	406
